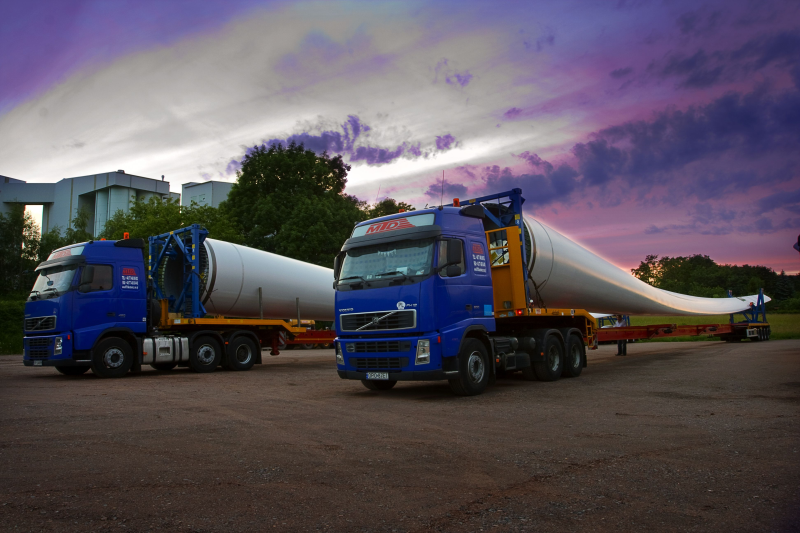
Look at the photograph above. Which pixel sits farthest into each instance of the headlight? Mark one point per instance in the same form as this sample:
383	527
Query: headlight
423	352
57	350
339	356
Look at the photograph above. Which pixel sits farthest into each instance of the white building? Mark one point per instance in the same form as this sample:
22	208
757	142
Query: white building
101	195
205	192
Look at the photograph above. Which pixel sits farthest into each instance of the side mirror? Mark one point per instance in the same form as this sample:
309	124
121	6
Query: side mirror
454	252
87	276
337	265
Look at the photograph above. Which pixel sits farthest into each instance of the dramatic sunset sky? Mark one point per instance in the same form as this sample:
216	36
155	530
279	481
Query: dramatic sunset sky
634	127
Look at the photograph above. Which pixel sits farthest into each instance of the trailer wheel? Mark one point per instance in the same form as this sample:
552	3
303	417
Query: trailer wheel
72	370
243	354
371	384
473	369
575	354
205	354
550	369
163	367
112	358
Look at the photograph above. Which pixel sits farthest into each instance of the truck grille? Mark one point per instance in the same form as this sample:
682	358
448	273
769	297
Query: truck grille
378	346
380	320
40	323
378	363
39	348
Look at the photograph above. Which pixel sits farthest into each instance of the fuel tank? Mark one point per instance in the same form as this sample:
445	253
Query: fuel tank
563	274
232	274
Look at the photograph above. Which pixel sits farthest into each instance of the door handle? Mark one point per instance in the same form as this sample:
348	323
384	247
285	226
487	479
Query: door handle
110	313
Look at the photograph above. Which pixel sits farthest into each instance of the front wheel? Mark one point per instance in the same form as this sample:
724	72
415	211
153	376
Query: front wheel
112	358
72	370
205	354
372	384
473	369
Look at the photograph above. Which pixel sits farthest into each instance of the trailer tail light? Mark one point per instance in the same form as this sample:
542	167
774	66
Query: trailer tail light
518	312
439	339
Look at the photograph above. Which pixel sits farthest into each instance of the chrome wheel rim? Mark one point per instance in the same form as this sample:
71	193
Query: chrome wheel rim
206	354
113	358
553	358
475	367
243	354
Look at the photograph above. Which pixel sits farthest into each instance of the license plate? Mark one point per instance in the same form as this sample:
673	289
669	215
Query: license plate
37	363
377	375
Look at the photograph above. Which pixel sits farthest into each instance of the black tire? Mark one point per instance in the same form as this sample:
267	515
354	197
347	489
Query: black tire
164	367
205	354
573	361
552	366
112	358
372	384
72	370
473	369
307	346
242	354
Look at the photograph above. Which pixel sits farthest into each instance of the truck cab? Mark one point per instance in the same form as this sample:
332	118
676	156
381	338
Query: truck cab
84	293
410	288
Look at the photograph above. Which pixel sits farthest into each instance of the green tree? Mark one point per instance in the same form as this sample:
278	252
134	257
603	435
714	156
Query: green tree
291	201
699	275
19	250
157	216
388	206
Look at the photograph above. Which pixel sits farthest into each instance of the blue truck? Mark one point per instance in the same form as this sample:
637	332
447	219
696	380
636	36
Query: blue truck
442	294
105	305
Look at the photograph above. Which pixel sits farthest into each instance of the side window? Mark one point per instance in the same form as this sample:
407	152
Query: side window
443	245
96	278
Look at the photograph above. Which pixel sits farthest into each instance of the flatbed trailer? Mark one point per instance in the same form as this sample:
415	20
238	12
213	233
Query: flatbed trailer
754	327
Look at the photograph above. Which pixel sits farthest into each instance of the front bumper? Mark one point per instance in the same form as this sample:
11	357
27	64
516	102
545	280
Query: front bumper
419	375
393	355
39	350
55	362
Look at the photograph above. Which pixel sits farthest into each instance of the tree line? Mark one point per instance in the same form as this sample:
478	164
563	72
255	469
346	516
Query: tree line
699	275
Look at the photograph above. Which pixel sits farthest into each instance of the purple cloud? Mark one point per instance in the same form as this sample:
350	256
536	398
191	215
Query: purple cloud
512	113
444	142
346	142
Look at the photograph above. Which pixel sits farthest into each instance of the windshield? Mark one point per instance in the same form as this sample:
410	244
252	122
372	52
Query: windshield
52	281
403	259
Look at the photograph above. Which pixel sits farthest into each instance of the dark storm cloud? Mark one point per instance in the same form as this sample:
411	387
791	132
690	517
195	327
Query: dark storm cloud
620	72
789	200
345	142
451	190
756	124
701	69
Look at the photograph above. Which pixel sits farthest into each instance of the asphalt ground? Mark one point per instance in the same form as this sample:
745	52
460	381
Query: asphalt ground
700	436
